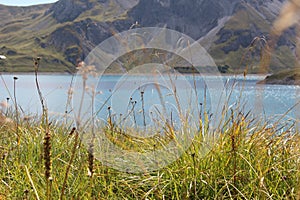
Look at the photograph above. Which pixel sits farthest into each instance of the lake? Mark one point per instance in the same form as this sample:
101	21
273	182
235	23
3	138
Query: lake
140	97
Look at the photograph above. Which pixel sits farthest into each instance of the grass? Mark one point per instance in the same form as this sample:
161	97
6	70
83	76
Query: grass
249	160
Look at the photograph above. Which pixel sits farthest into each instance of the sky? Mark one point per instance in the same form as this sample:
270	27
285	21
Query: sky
25	2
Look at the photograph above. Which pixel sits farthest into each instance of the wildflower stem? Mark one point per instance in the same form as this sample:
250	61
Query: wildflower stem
16	110
69	165
143	109
47	137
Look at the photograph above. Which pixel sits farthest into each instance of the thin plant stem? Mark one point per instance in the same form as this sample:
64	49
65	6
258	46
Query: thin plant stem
69	99
69	165
32	184
16	110
143	109
91	145
78	119
47	137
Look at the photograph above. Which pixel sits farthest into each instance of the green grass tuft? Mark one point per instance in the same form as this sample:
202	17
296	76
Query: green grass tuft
248	161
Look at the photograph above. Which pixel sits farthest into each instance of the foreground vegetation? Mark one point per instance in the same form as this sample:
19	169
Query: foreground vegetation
250	160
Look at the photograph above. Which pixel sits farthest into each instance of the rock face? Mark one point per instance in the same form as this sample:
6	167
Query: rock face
194	17
227	27
77	40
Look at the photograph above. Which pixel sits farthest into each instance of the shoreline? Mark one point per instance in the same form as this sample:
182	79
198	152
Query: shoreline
32	73
136	74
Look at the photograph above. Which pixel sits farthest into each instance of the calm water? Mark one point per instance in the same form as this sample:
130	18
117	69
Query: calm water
124	95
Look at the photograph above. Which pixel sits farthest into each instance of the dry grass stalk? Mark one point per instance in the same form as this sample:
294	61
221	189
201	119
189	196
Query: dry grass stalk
16	110
47	137
76	141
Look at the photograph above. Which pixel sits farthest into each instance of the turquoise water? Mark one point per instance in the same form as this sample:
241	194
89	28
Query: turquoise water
123	95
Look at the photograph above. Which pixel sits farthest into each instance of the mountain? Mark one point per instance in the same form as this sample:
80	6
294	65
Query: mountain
65	32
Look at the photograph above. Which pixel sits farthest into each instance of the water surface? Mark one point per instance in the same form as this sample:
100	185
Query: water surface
261	100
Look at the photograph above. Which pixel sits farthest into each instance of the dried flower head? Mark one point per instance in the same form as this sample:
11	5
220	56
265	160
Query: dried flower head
86	70
4	105
70	92
5	120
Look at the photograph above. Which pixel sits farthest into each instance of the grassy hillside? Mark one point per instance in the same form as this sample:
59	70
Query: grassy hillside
232	46
66	32
25	32
21	32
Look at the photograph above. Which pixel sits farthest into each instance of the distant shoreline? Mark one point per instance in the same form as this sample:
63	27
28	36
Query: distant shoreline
32	73
119	74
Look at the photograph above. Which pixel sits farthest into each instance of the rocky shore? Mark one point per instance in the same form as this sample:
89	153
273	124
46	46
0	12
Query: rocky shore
288	77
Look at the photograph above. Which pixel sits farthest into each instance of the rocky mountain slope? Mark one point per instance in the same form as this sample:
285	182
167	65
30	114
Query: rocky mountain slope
65	32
